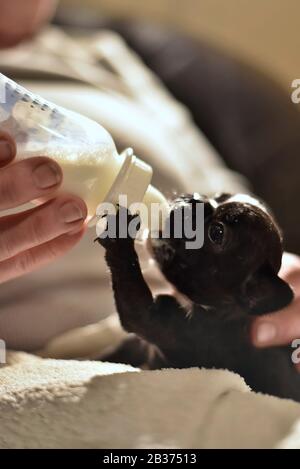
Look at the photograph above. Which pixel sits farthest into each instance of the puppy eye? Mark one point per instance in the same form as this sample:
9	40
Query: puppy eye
216	232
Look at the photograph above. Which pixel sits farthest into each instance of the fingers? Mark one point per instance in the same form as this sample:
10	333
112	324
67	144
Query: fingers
290	271
27	180
19	19
279	328
23	231
35	237
36	257
7	149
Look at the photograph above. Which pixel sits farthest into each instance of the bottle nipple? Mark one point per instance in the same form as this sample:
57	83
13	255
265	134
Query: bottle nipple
158	209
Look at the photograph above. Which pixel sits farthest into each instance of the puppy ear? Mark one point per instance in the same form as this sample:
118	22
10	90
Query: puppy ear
265	292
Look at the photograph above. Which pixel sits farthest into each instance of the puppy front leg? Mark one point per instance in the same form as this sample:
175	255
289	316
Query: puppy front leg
153	320
158	321
133	297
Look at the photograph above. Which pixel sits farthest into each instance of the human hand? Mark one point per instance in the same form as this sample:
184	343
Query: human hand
20	19
34	237
281	327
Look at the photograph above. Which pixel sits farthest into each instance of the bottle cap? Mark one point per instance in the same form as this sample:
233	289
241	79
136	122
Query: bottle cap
133	180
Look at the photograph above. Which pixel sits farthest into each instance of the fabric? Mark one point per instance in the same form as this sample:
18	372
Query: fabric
115	89
69	404
81	404
248	117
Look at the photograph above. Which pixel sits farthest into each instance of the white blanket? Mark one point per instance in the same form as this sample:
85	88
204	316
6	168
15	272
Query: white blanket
81	404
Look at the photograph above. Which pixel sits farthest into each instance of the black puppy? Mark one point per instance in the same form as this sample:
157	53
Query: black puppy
228	281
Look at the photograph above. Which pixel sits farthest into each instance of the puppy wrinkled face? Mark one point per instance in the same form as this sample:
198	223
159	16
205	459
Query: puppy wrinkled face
240	237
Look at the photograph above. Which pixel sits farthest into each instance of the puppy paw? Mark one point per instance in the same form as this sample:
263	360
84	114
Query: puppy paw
121	230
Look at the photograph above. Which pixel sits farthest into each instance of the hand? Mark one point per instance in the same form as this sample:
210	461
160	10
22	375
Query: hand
37	236
281	327
20	19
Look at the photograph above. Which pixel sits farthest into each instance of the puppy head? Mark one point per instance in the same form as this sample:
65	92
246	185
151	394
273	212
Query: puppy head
239	260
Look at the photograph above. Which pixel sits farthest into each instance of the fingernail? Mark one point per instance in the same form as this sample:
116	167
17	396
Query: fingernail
71	212
265	333
6	151
47	175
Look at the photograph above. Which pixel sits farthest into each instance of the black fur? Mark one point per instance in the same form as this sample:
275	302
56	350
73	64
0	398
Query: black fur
229	280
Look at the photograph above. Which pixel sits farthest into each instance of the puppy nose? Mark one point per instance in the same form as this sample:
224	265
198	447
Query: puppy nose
220	197
208	209
192	200
196	198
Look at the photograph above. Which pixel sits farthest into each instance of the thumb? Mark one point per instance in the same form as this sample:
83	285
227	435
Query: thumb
279	328
7	149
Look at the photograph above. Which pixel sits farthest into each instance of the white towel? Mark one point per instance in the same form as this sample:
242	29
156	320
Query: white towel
80	404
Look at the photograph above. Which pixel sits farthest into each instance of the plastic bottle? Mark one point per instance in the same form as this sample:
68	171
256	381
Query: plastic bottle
92	167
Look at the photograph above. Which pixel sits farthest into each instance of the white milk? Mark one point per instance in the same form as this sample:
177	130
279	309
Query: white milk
88	174
91	165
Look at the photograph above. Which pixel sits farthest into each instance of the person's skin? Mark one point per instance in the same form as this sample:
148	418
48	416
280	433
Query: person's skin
29	240
281	327
34	237
20	19
37	236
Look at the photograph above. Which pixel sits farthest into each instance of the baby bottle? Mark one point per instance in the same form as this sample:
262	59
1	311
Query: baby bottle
91	165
